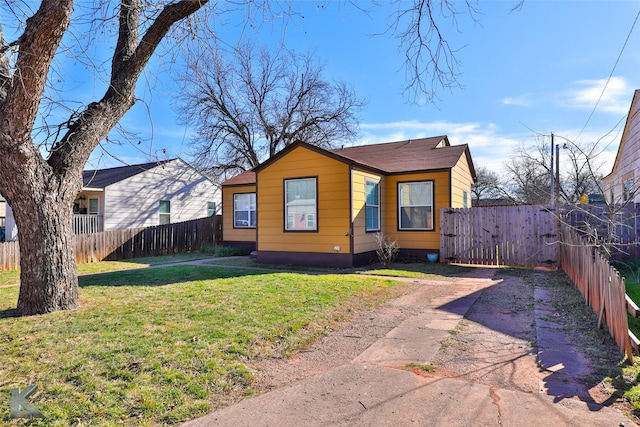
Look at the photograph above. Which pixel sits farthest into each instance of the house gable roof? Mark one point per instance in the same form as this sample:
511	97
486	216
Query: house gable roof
633	110
101	178
418	155
415	155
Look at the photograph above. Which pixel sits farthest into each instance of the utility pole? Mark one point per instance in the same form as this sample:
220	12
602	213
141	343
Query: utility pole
557	193
552	180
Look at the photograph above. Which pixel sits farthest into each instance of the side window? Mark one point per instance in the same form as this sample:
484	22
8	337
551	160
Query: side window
415	205
465	203
301	204
211	208
165	212
94	206
372	210
244	210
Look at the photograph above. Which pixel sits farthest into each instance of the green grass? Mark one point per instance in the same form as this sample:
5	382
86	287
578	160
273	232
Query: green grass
161	346
13	276
249	262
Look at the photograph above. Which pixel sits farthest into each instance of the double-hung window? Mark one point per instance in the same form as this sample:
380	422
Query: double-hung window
415	205
165	212
94	206
301	207
627	189
211	208
244	210
372	210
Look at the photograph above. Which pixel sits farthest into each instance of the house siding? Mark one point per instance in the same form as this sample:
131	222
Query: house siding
364	241
134	202
627	159
236	236
461	181
333	200
427	240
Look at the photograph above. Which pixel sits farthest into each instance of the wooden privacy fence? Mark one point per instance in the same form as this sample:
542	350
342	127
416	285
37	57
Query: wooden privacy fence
622	221
499	235
600	284
133	242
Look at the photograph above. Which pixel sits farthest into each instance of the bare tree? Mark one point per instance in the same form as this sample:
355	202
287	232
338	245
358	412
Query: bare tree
529	171
528	175
487	185
42	157
41	188
249	105
430	59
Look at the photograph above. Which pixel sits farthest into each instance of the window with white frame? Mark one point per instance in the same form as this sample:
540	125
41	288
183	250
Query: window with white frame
300	196
94	206
244	210
164	212
627	189
465	197
211	208
372	201
415	205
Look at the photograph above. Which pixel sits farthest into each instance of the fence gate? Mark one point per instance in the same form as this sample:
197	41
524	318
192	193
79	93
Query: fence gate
524	236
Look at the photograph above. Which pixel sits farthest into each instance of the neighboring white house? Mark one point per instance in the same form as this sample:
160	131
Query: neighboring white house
140	196
621	184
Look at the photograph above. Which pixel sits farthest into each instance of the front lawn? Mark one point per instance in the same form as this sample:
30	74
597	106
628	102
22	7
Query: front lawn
161	346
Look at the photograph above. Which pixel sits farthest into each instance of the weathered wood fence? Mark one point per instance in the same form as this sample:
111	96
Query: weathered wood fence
133	242
601	285
619	224
537	235
499	235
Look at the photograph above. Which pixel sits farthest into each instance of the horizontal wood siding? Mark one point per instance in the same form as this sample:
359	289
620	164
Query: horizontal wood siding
415	239
134	202
333	204
627	158
461	181
181	237
364	241
235	234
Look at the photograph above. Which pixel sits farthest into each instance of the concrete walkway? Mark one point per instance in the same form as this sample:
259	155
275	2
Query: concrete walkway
377	389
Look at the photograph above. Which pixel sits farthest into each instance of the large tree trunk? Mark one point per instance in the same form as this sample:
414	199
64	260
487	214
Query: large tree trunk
41	191
47	258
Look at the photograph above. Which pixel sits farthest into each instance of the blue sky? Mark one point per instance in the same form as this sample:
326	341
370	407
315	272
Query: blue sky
539	69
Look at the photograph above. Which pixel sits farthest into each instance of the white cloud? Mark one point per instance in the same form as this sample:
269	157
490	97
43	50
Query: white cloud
520	101
489	146
616	97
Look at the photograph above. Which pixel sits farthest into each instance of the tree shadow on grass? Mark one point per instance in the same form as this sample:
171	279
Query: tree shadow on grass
8	313
165	276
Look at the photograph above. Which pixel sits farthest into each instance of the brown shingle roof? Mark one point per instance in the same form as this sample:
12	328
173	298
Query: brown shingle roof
424	154
406	156
248	177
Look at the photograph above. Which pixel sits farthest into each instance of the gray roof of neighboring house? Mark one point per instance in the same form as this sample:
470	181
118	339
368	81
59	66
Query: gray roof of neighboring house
101	178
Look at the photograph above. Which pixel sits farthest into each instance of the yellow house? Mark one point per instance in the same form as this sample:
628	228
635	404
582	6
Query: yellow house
311	206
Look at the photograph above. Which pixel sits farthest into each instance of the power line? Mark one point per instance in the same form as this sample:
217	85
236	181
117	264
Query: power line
610	76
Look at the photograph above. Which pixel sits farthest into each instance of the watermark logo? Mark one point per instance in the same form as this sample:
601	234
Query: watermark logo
20	406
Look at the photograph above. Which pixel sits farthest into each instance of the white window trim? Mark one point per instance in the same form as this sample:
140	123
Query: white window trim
161	214
249	211
367	205
313	215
